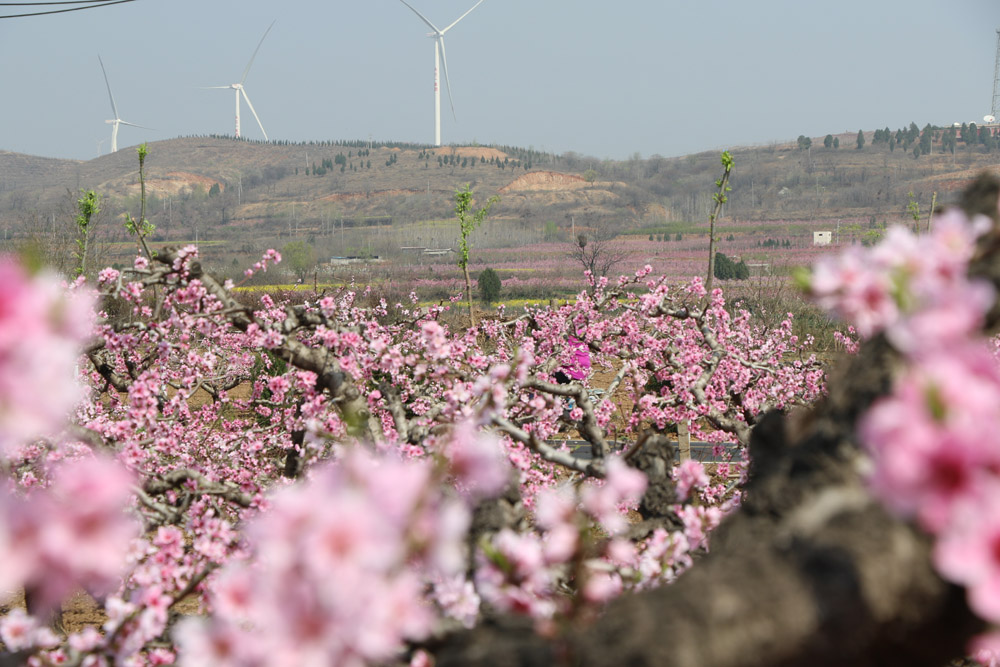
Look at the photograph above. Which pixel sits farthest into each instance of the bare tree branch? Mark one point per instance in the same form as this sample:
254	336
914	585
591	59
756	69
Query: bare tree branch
597	253
176	479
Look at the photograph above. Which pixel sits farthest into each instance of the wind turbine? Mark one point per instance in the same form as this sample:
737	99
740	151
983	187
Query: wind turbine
438	37
116	121
238	87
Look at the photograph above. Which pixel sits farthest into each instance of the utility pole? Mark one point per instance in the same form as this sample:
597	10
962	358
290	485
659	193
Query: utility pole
995	107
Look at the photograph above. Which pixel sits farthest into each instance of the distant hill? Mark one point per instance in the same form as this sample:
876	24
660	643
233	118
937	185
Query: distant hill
245	194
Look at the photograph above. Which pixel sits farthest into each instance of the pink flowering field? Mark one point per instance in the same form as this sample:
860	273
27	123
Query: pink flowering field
546	270
387	480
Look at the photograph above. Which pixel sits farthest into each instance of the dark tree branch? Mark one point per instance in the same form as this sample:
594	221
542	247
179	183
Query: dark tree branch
177	479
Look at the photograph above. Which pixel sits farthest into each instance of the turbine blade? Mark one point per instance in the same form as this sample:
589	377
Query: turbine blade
422	17
447	81
125	122
254	112
462	17
214	87
247	70
114	107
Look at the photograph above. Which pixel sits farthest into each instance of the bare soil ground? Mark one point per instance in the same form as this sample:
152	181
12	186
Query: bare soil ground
174	183
545	180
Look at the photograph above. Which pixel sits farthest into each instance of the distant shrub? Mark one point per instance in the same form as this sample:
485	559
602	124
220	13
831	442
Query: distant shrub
727	269
742	270
489	286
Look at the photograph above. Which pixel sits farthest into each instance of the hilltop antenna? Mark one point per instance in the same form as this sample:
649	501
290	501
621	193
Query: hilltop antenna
996	81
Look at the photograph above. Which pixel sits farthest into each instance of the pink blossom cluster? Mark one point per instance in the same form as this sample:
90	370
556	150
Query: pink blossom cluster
528	573
271	256
690	475
213	406
339	569
42	326
20	631
519	573
935	437
848	341
690	364
476	462
74	533
915	288
937	457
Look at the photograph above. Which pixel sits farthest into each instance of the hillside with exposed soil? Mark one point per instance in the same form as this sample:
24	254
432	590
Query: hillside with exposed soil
266	192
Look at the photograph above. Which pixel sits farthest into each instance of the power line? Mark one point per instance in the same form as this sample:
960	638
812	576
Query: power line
64	2
93	5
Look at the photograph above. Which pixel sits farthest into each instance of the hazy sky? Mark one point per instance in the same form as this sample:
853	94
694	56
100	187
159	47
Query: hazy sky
601	78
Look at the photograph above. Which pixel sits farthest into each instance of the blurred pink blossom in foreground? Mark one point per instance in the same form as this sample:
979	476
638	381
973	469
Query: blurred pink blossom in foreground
915	288
74	533
933	439
341	569
42	326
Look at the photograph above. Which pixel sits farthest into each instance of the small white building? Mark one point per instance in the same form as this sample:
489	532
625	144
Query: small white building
822	238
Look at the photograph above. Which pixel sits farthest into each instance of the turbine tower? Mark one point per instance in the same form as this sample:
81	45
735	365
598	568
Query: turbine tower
996	82
440	57
116	121
238	87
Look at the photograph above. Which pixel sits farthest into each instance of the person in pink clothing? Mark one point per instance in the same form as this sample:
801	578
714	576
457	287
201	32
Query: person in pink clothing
579	367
